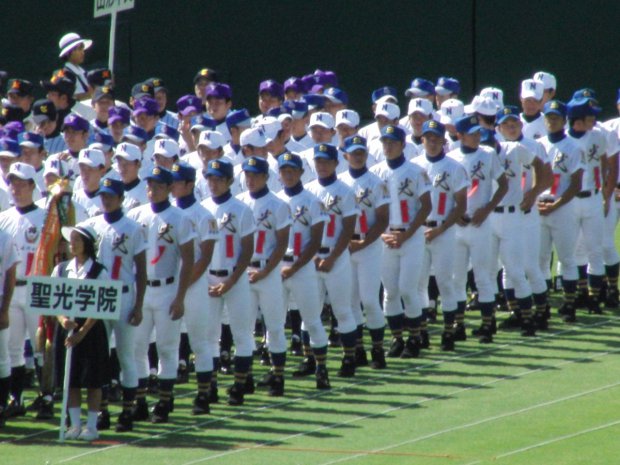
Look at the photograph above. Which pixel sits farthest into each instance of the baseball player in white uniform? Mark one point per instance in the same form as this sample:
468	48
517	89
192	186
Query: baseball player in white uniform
228	280
205	226
449	199
10	260
532	93
127	157
333	258
556	206
121	249
273	220
409	203
298	272
170	260
24	222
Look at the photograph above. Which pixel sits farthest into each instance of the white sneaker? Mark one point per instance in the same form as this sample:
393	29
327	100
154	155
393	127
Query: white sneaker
88	434
73	432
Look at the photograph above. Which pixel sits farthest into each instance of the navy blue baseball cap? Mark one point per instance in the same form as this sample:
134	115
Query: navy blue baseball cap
337	95
295	84
297	108
159	174
255	165
467	125
354	143
581	107
189	103
146	105
9	148
433	126
240	117
164	130
586	92
102	141
183	172
447	86
272	87
555	107
111	186
135	134
509	111
122	114
30	139
315	101
382	92
487	137
218	90
290	159
325	151
220	168
420	88
393	132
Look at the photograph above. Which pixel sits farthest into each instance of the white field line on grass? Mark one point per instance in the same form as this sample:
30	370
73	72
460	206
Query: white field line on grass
551	441
376	376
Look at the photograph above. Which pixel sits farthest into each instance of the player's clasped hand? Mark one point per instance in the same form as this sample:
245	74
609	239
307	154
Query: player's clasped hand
177	309
545	208
324	264
256	275
394	240
220	289
286	272
431	233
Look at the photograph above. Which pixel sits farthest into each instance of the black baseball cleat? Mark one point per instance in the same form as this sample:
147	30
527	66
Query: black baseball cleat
235	395
201	405
581	300
15	409
377	357
140	410
594	306
266	380
396	348
425	341
485	334
361	359
541	322
249	388
124	422
567	311
307	367
36	403
322	379
46	409
276	389
611	299
103	420
347	367
412	348
460	334
513	321
527	328
160	412
447	341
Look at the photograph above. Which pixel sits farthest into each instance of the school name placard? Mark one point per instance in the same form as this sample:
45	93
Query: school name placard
74	298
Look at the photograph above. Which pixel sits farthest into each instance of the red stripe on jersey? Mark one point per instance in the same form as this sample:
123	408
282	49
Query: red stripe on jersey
556	184
260	241
523	179
230	246
162	249
29	260
331	226
363	222
441	205
597	177
404	211
297	244
474	187
116	267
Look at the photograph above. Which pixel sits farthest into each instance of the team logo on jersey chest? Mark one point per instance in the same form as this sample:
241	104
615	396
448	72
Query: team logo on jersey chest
508	170
333	205
559	162
164	232
476	170
404	187
300	215
441	180
263	219
119	243
31	234
226	222
593	153
363	197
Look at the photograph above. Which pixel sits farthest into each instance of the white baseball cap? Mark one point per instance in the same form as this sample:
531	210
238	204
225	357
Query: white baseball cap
254	137
483	105
166	148
69	41
128	151
55	166
270	126
451	110
211	139
548	79
22	171
348	117
530	88
420	105
91	157
390	110
495	94
323	119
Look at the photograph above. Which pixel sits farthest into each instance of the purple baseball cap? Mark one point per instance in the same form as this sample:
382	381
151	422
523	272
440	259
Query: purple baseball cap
146	105
309	80
326	78
272	87
189	103
317	89
16	126
119	114
219	90
76	122
294	84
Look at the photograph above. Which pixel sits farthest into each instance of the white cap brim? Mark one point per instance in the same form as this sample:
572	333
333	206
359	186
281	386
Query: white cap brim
87	43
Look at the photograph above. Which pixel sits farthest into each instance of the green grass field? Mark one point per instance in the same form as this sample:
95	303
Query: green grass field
554	399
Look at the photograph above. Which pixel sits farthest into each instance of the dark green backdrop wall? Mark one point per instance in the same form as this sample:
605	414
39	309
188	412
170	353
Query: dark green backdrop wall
368	44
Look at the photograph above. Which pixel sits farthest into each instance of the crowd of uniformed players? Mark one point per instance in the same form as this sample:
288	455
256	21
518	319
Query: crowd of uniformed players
214	220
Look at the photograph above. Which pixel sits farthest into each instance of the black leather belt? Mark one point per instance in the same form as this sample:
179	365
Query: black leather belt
288	259
20	282
433	224
547	200
466	219
325	250
356	237
586	194
259	263
510	209
397	229
221	273
159	282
